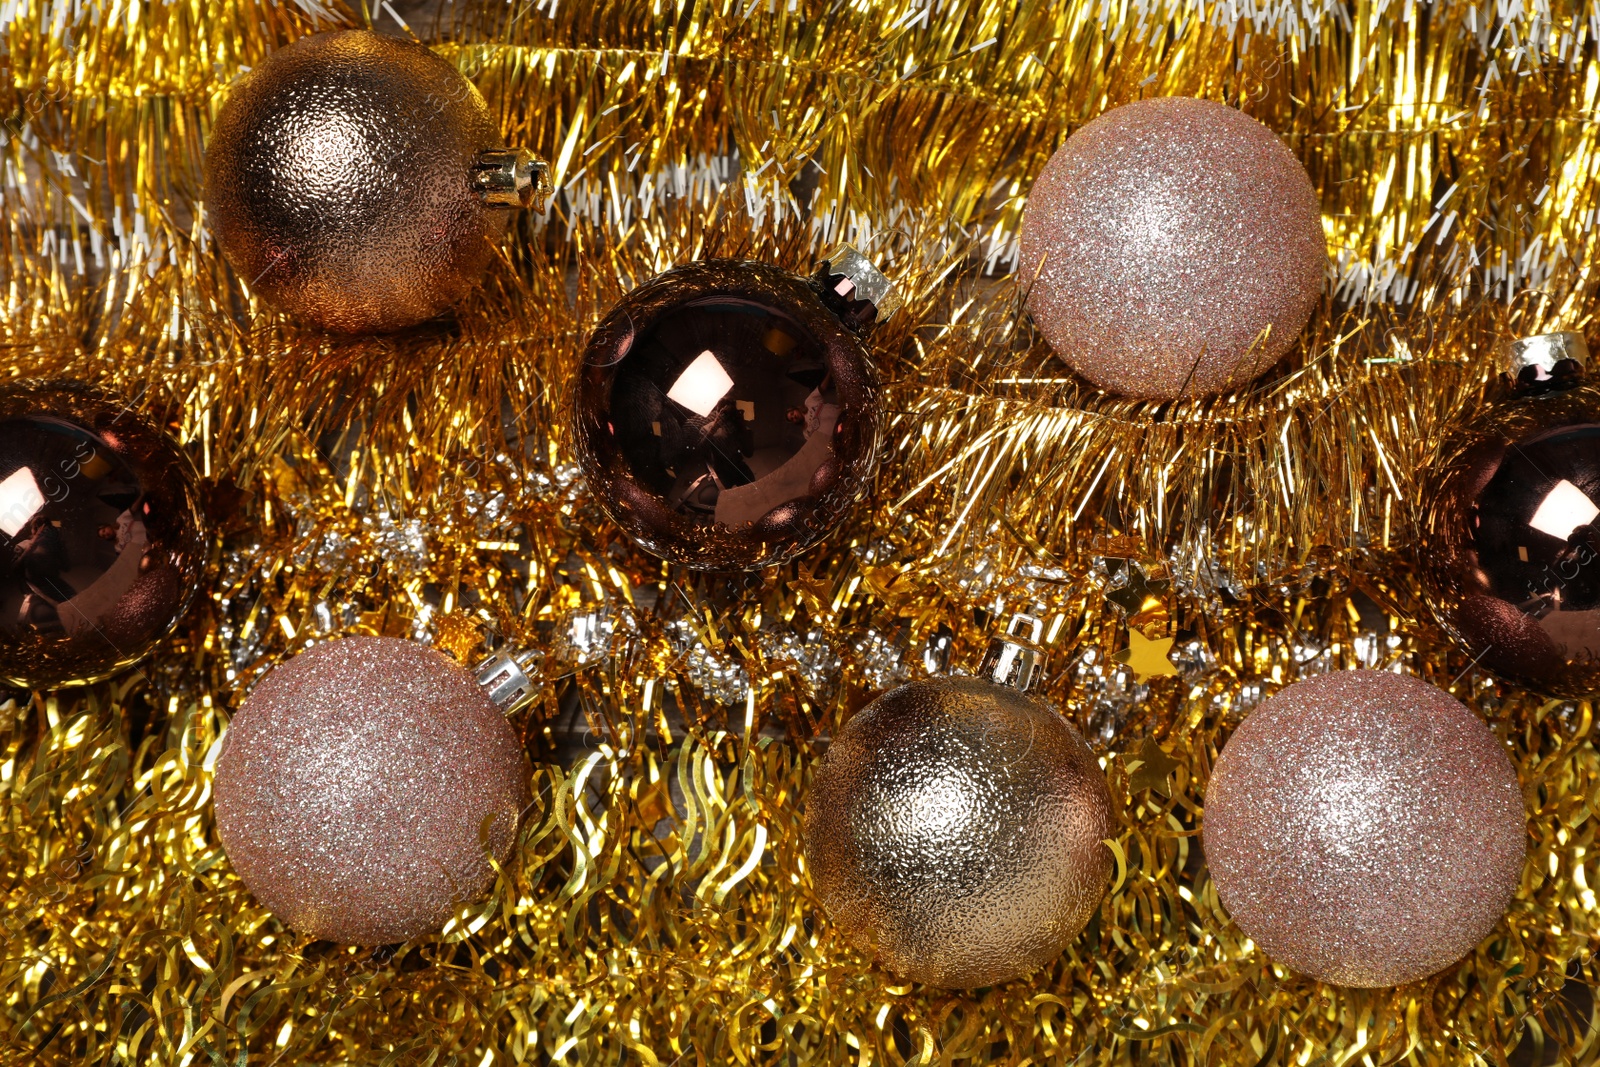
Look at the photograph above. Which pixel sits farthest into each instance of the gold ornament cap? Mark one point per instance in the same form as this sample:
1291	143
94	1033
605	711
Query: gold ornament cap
1013	660
861	293
511	178
1537	358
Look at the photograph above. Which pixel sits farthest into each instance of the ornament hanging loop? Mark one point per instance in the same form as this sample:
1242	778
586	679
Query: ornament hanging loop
511	178
504	678
1013	660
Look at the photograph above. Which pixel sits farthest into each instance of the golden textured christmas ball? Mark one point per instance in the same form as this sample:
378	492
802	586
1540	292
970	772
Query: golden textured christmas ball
955	828
359	182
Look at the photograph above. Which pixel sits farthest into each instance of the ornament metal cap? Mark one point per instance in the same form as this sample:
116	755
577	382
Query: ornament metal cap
512	178
1532	359
504	678
864	294
1013	660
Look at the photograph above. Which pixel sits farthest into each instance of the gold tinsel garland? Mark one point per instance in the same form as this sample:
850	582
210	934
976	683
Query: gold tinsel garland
658	910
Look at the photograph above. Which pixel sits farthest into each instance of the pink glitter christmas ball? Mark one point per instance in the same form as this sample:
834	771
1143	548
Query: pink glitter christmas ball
1365	828
1167	235
355	783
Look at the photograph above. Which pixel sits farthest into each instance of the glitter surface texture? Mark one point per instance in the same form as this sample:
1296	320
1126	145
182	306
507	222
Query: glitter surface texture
338	182
1365	828
1168	234
955	827
352	786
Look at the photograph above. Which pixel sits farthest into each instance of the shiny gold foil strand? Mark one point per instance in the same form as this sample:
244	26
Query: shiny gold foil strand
589	858
576	128
1384	179
1407	268
695	776
717	788
239	354
608	693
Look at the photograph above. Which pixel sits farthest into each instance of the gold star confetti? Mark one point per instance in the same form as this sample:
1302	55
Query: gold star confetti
459	634
1140	594
1142	600
1150	768
1147	656
814	592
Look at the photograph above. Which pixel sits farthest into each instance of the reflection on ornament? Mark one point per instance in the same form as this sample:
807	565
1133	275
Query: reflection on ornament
1564	509
702	385
1178	247
20	501
1364	828
355	784
1508	544
727	414
359	181
956	826
101	540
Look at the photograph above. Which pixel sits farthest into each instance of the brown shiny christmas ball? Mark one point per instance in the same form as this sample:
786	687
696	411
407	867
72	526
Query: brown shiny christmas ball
355	783
1508	547
101	541
726	415
339	182
955	829
1178	247
1365	828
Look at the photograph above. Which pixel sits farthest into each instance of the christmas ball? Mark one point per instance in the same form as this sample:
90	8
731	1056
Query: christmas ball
351	181
727	415
955	828
101	540
1507	545
356	785
1178	247
1364	828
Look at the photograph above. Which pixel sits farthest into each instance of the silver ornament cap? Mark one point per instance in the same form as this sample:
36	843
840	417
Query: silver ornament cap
848	278
1015	660
503	677
1535	358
